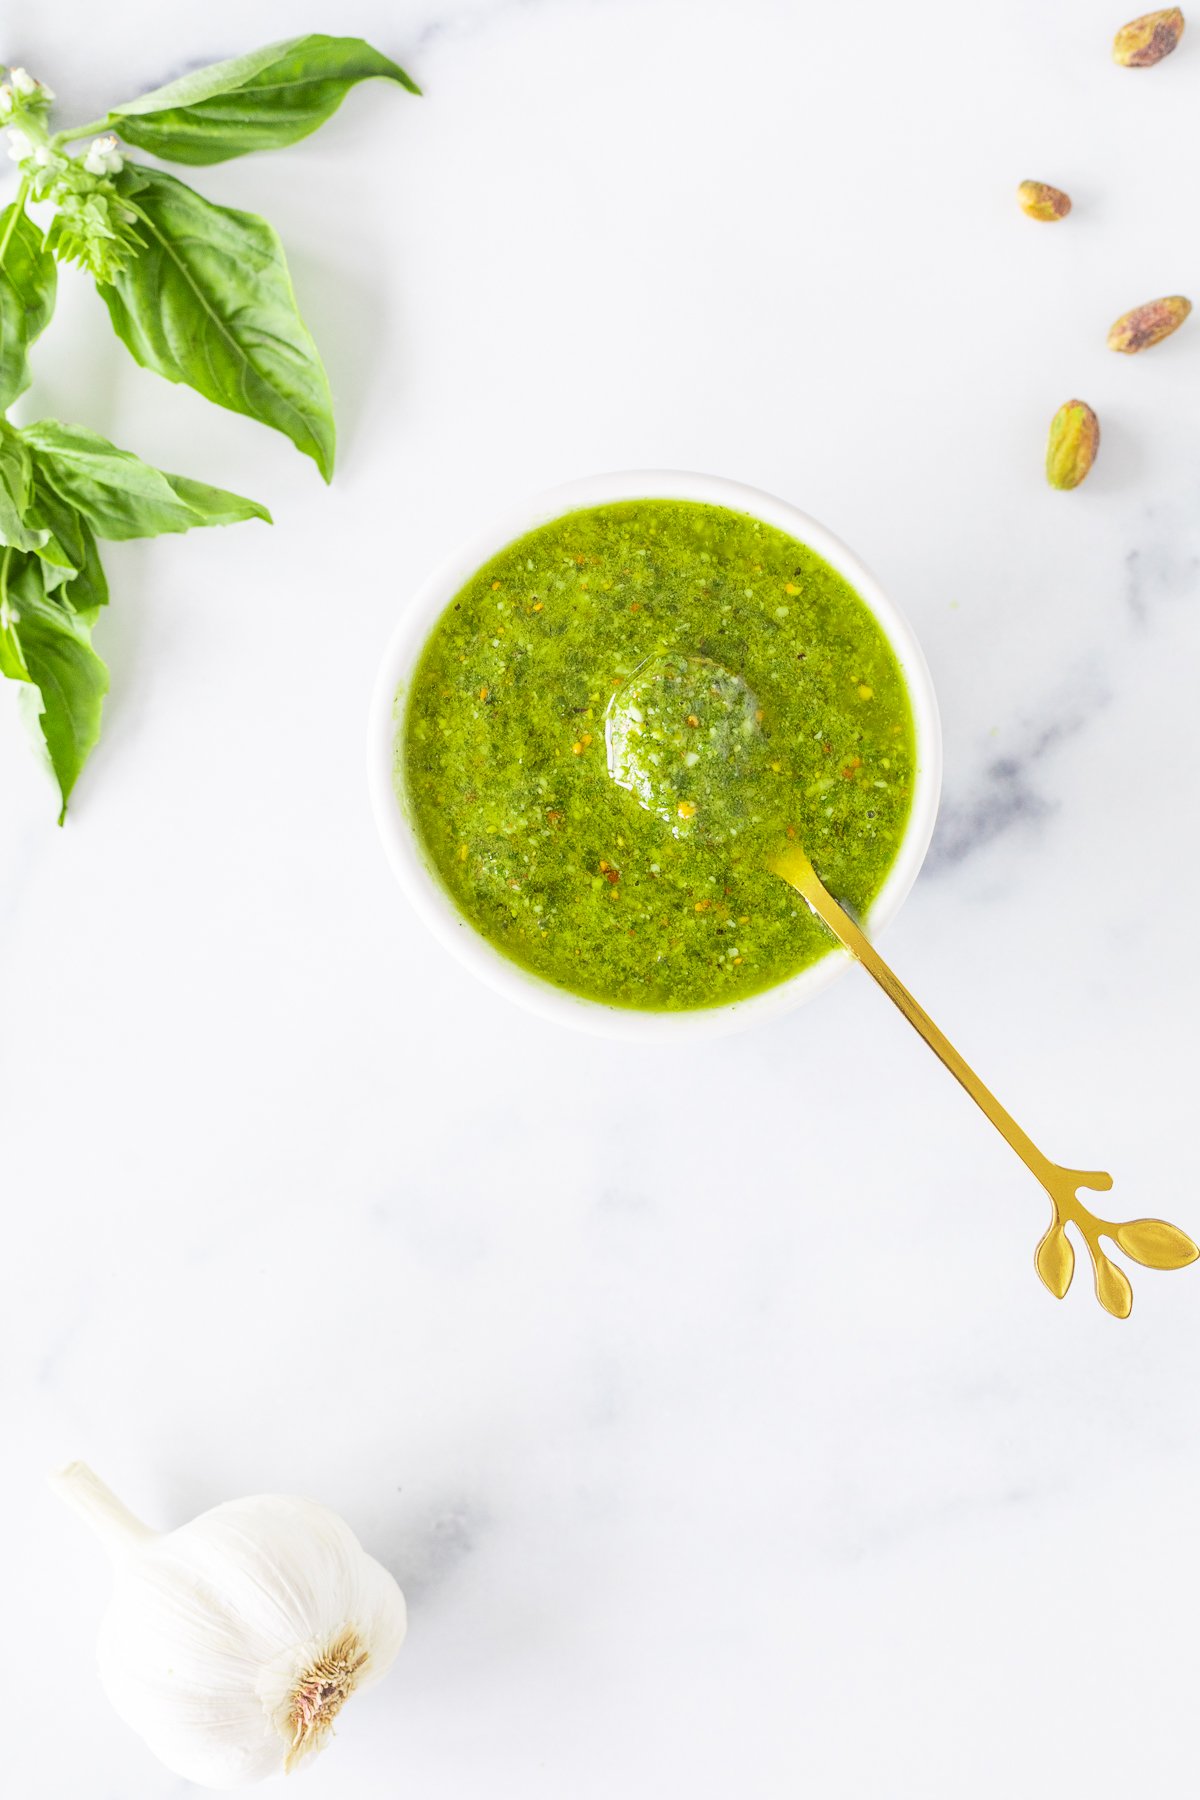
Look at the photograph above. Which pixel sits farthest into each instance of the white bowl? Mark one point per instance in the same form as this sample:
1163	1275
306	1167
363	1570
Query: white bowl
398	831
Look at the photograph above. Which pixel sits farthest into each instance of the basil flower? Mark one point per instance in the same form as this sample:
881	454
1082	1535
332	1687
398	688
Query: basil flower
103	157
26	84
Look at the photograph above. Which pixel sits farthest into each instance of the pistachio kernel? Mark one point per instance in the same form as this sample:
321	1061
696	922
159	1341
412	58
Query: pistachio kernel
1038	200
1145	41
1074	440
1148	325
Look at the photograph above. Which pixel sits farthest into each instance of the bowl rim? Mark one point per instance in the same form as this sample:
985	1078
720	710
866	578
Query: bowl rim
405	852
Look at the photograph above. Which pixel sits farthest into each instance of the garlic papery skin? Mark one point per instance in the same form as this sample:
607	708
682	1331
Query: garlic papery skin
231	1644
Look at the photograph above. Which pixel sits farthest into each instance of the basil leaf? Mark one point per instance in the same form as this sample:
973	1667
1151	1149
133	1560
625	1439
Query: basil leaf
87	590
118	494
209	302
16	493
63	552
27	286
263	101
214	505
12	662
58	565
79	581
56	651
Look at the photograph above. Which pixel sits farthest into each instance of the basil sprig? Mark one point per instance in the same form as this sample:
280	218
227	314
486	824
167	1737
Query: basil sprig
198	293
61	488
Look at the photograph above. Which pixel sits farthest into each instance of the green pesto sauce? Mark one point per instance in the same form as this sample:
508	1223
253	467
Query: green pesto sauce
502	756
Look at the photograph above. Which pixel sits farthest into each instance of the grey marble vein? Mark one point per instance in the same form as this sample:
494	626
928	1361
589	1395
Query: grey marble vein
1008	793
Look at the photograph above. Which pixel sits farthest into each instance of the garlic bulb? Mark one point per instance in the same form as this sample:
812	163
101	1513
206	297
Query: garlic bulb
231	1644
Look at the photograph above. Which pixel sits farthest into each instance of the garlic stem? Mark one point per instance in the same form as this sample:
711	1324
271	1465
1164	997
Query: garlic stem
116	1527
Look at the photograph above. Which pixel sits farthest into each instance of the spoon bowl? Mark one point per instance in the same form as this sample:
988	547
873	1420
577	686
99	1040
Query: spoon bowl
665	728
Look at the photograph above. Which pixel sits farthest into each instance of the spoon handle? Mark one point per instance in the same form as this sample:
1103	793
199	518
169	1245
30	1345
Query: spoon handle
1149	1241
796	869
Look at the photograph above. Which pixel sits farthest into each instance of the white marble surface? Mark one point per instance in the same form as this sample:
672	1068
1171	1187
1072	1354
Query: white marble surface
710	1414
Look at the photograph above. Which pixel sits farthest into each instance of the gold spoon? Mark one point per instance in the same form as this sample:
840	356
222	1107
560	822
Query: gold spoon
674	714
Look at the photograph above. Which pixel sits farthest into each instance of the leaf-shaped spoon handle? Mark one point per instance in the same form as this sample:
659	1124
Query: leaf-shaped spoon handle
1149	1241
